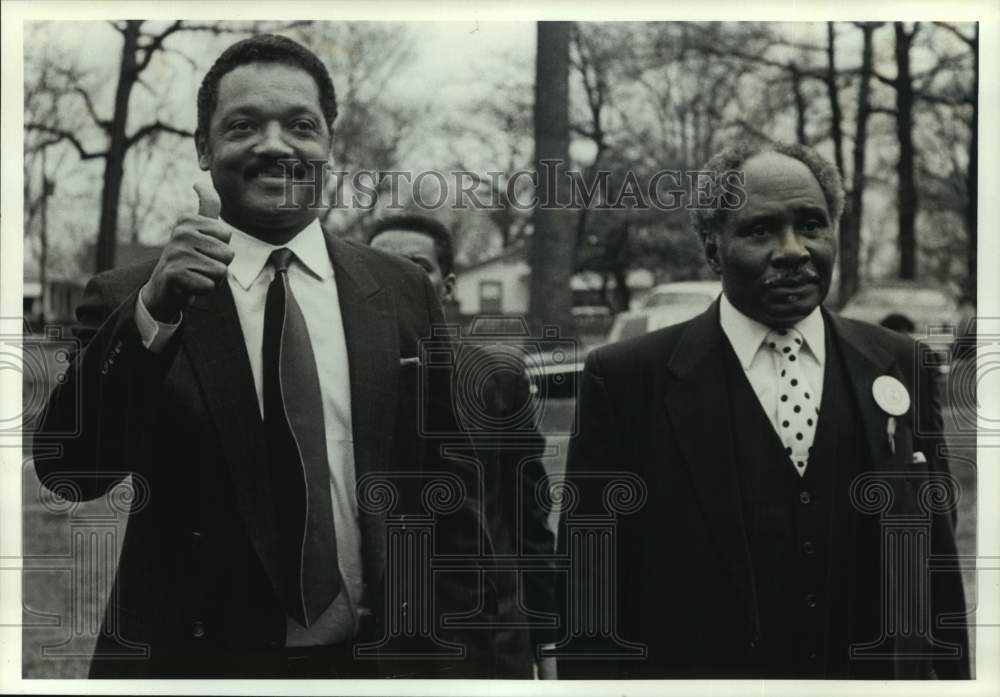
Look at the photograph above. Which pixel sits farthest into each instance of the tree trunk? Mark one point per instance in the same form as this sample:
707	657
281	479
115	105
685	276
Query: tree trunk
836	135
107	231
850	228
907	188
552	238
800	105
48	187
972	179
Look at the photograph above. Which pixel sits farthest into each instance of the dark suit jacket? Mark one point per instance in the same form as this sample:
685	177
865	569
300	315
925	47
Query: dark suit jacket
517	521
197	576
650	406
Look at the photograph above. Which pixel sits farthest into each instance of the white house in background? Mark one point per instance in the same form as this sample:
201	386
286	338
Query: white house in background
60	298
496	286
501	285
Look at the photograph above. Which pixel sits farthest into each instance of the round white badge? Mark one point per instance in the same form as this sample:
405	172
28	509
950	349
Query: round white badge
891	395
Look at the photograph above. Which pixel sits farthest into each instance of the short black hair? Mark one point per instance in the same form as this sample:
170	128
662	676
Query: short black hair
709	221
425	226
265	48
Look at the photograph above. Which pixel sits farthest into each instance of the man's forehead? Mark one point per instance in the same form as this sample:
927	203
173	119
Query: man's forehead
401	238
291	79
769	169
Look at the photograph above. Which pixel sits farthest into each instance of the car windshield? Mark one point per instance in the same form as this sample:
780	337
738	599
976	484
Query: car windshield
676	298
903	297
630	327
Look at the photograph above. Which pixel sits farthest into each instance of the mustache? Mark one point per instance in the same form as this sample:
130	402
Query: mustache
791	279
286	167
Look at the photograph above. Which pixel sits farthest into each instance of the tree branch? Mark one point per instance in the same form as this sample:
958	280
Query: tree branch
155	43
968	41
67	136
892	82
156	127
888	111
105	124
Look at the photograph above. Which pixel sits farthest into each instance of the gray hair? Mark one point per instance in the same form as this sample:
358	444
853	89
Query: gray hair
709	221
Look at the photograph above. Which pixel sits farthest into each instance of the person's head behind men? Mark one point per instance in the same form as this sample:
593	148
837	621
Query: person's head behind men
422	240
266	99
776	253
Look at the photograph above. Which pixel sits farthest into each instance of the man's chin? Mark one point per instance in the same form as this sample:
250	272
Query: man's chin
787	314
256	216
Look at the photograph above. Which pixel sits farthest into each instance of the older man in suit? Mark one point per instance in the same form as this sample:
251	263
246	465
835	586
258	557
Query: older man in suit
777	445
257	382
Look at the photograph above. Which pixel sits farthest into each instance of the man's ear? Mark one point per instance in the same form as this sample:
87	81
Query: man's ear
201	145
447	287
712	253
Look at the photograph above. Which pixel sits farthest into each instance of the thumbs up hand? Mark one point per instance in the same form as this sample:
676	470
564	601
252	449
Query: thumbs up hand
209	204
193	263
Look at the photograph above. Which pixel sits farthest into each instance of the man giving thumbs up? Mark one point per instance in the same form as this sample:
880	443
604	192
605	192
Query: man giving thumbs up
250	382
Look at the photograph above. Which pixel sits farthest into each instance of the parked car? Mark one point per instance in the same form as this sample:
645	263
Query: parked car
928	312
917	308
670	303
682	292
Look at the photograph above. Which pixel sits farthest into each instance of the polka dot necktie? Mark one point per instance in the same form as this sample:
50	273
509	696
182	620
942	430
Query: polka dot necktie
797	410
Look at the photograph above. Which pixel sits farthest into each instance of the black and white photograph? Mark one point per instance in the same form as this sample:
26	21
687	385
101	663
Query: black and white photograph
531	351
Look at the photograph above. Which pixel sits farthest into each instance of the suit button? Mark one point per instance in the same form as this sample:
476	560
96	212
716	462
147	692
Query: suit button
197	629
811	600
804	497
808	547
196	538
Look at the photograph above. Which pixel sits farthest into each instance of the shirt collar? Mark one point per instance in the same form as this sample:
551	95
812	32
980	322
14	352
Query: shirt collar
746	334
250	254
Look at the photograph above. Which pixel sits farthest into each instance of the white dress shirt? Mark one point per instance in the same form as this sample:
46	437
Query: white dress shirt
311	277
761	364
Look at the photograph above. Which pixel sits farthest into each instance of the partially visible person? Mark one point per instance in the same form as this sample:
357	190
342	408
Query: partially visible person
512	467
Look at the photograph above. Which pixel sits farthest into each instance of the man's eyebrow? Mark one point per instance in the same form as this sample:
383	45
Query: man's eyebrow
760	217
419	260
251	110
812	209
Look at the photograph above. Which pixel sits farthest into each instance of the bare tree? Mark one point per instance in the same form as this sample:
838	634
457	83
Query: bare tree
850	227
906	200
138	49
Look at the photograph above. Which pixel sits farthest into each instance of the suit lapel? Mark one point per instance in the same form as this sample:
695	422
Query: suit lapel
696	407
372	337
865	361
214	342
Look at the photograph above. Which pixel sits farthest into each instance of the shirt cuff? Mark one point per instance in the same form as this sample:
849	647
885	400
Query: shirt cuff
155	335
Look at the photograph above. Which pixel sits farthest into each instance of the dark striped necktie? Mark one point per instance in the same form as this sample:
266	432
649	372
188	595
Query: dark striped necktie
296	437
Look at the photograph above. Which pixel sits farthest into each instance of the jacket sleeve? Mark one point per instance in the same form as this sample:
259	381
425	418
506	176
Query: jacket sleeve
461	533
948	607
94	417
539	541
596	447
